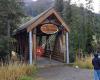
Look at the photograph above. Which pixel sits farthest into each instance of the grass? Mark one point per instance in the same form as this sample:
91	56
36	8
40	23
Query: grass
17	72
84	63
26	78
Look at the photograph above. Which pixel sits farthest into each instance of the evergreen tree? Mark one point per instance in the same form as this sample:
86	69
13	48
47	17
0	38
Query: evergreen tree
89	26
81	25
59	5
10	15
67	12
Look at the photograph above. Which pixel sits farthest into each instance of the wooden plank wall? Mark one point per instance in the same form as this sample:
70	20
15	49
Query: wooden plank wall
56	53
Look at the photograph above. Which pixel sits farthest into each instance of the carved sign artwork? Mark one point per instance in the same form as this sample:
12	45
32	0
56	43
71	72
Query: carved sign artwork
49	28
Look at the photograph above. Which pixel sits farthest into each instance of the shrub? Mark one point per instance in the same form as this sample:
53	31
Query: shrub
84	63
4	46
15	71
25	78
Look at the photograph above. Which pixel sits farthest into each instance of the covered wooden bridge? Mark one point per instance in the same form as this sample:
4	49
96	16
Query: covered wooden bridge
46	35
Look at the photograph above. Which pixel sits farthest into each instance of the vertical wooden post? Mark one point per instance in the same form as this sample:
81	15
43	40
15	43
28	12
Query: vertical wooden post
30	47
64	46
34	45
67	48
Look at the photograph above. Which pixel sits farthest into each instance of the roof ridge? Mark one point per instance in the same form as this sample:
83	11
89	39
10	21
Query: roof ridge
34	18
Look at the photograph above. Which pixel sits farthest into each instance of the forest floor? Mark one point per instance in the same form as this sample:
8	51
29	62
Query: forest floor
64	73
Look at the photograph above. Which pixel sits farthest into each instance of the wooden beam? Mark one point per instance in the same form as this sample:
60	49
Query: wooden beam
61	20
40	20
44	16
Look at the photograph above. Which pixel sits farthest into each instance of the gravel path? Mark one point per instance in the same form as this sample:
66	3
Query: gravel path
64	73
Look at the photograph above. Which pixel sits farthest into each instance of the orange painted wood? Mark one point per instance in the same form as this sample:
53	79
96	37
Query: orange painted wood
49	28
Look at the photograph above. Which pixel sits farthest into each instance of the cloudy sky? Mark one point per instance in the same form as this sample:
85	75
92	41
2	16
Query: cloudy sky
96	4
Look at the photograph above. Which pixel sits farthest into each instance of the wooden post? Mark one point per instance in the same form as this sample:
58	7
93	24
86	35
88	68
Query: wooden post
64	46
67	48
30	47
34	45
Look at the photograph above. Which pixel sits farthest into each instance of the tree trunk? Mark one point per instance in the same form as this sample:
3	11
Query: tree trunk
8	28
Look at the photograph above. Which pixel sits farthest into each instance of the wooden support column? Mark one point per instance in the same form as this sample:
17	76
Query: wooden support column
64	46
34	45
67	48
30	47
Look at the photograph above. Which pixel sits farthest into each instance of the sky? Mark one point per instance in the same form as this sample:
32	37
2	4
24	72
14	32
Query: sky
96	4
34	0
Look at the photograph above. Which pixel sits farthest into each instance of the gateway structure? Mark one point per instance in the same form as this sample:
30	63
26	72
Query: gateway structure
46	35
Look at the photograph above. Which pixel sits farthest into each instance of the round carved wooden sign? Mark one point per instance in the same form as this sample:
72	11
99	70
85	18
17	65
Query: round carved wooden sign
49	28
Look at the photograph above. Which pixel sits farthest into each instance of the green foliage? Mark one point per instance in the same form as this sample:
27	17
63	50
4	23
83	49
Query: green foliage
10	17
26	78
85	63
89	46
5	46
10	14
4	50
25	19
59	6
81	21
67	12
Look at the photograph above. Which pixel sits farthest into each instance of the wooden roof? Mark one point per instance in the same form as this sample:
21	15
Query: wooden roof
40	18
